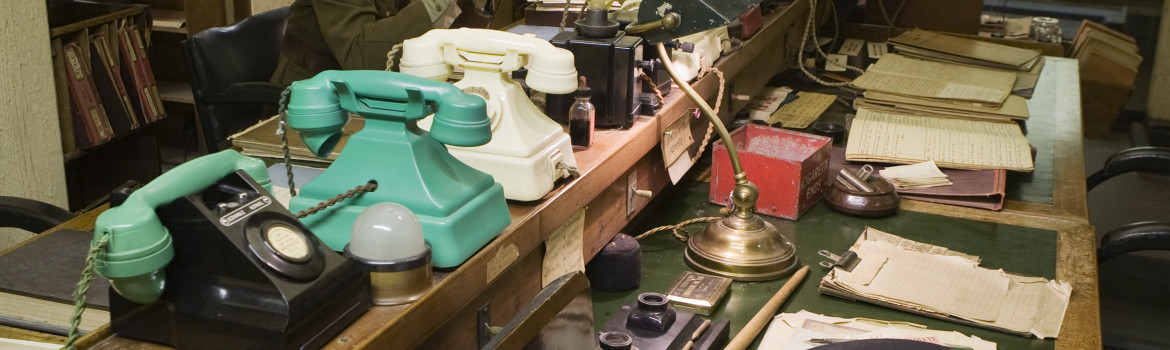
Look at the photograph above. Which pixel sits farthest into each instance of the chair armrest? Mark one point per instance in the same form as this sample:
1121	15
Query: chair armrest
1155	159
31	215
264	93
1137	236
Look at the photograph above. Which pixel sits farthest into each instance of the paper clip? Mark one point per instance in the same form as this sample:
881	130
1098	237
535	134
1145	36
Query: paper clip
846	261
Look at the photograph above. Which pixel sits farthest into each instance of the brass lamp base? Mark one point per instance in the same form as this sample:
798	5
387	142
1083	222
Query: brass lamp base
743	249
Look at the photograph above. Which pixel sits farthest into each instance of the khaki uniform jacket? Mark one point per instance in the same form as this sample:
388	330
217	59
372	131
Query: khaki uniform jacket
344	34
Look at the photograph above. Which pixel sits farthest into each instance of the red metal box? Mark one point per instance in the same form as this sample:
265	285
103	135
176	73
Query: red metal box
788	167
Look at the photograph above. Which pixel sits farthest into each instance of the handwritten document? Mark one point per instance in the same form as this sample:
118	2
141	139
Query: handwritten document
877	50
851	47
761	106
950	143
677	138
940	283
897	74
802	111
563	249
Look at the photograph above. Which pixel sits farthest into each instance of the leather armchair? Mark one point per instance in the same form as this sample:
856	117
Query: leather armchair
229	68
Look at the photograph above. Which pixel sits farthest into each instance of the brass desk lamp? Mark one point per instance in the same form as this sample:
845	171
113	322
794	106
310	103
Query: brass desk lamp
742	245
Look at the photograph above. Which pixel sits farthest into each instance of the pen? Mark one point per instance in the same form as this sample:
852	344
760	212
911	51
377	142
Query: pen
842	340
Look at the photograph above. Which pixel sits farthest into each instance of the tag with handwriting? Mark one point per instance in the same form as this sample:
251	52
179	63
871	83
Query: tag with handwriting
876	50
836	62
677	138
851	47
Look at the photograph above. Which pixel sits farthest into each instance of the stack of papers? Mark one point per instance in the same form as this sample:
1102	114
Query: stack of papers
951	143
941	47
936	81
933	46
934	281
917	176
1013	108
795	331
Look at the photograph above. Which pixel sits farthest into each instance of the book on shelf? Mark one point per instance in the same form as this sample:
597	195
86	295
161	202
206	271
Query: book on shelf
90	121
37	280
137	73
119	110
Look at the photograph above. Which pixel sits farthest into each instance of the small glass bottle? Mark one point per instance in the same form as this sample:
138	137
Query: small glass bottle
581	120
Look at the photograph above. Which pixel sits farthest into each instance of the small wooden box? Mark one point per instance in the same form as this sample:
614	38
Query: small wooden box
788	167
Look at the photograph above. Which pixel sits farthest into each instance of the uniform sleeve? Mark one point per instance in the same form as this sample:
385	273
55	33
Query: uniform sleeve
358	39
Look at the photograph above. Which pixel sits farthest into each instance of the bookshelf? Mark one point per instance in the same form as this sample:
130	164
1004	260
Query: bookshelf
105	104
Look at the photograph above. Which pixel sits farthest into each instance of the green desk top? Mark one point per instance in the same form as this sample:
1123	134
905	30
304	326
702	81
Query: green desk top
1013	248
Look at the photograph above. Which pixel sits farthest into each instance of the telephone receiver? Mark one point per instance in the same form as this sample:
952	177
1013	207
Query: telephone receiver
140	246
318	107
550	69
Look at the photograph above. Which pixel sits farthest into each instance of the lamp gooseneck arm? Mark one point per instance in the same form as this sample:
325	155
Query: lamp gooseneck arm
740	177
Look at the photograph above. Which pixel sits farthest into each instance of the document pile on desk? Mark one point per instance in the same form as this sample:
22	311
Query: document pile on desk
928	45
950	143
937	282
911	86
797	331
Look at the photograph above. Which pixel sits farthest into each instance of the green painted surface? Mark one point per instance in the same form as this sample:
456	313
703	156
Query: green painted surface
1016	249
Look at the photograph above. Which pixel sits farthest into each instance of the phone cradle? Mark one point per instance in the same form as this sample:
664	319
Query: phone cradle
526	146
245	275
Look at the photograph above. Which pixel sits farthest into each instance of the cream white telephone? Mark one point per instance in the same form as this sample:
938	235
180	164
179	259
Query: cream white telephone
526	146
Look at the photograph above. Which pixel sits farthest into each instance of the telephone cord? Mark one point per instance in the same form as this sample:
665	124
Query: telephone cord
79	296
368	187
677	228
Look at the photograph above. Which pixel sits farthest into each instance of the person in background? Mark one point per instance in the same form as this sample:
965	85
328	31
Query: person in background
352	34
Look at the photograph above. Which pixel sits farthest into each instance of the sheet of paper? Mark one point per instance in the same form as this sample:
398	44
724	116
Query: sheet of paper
951	143
836	62
948	284
802	111
851	47
900	75
877	50
767	101
1013	107
925	169
935	281
563	249
784	328
680	166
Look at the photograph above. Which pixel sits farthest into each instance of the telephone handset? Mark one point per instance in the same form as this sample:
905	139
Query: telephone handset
204	257
140	246
528	151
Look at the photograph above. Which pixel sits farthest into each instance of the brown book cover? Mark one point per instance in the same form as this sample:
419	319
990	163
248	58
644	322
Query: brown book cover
147	73
84	95
119	110
64	104
142	90
983	189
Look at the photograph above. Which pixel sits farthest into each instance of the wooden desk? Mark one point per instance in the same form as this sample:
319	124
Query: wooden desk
506	273
1052	249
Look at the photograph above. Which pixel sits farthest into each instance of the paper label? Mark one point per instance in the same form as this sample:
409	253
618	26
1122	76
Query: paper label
876	50
677	138
851	47
563	250
836	62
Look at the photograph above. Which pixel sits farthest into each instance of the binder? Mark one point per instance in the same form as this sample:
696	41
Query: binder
89	112
137	74
119	110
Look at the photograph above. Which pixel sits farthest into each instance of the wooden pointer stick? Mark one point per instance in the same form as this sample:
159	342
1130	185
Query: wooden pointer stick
753	327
